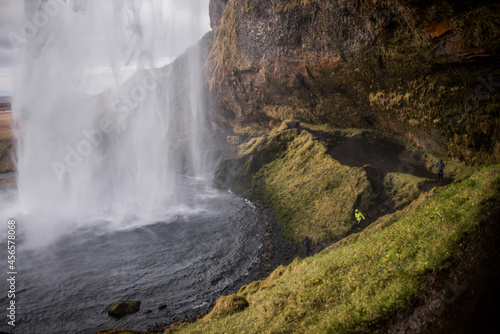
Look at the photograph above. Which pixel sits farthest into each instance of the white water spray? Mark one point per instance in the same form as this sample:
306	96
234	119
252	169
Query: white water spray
87	151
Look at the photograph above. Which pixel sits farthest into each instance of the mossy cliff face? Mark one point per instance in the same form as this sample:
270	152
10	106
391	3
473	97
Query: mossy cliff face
426	70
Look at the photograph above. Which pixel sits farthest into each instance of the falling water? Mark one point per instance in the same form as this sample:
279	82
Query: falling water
115	152
114	197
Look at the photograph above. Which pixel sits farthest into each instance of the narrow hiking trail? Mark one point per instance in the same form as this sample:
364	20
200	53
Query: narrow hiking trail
378	156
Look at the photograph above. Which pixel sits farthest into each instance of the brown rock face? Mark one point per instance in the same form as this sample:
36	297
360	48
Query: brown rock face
356	64
216	9
267	51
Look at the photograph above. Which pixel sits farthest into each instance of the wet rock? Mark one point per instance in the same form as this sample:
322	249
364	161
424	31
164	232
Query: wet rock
123	308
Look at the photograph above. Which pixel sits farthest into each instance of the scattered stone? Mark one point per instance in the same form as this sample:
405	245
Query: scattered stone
162	307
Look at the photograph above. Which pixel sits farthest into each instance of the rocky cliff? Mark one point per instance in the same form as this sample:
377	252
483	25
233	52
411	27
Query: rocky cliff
422	69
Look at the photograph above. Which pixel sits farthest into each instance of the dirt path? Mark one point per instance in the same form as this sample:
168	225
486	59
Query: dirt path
383	154
378	156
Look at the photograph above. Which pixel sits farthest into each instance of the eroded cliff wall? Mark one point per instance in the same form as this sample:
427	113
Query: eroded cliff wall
425	70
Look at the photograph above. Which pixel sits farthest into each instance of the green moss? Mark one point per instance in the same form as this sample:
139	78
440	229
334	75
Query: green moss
225	306
236	171
249	289
404	188
249	6
329	129
454	169
123	308
311	193
355	286
226	47
397	84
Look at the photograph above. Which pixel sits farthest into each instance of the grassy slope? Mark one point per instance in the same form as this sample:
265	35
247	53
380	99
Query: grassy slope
311	193
352	286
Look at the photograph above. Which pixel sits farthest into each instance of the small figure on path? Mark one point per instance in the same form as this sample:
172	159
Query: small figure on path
359	216
307	244
440	167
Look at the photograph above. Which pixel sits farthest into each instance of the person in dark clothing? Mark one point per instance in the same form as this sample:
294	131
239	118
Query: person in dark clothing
440	168
307	244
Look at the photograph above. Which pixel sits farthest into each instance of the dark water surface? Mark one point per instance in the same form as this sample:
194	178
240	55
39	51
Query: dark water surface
184	263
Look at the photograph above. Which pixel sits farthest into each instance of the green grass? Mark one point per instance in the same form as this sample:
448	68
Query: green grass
403	188
310	192
353	286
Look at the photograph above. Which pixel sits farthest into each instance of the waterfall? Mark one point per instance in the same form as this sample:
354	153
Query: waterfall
89	148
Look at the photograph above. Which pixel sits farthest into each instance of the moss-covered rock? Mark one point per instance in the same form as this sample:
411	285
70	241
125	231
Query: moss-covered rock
227	305
240	163
123	308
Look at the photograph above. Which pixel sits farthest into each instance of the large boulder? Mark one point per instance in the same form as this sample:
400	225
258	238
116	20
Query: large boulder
123	308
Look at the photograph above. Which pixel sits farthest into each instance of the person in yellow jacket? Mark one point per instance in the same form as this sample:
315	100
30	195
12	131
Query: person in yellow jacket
359	216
